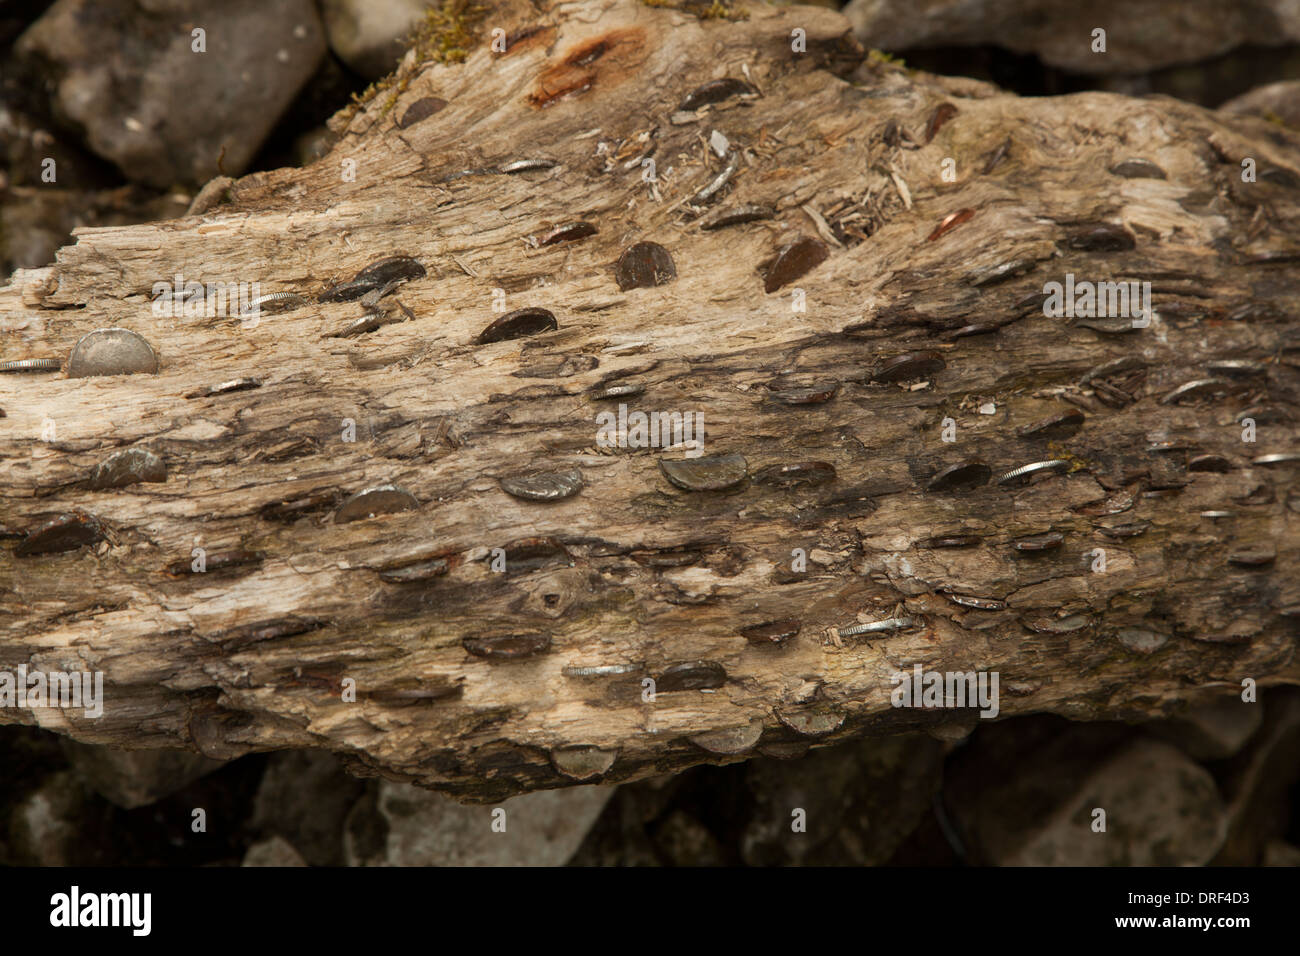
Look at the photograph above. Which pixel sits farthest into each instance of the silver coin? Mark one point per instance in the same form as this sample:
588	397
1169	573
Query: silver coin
1201	388
526	166
32	365
112	352
275	302
875	627
1026	472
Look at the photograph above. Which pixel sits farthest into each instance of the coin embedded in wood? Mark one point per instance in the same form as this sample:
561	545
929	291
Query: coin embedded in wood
793	261
1138	169
112	352
507	647
421	109
517	324
64	533
715	473
1054	428
772	632
912	365
715	91
382	500
391	269
805	395
789	474
735	215
967	474
644	266
691	675
553	486
126	468
423	571
1039	542
568	232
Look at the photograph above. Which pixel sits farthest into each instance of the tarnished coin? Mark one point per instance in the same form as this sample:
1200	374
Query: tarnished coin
715	91
423	571
421	109
793	261
381	500
507	647
735	215
1055	428
715	473
772	632
126	468
64	533
568	232
644	266
691	675
730	740
547	487
1137	169
517	324
1039	542
912	365
583	763
391	269
789	474
967	474
806	395
111	352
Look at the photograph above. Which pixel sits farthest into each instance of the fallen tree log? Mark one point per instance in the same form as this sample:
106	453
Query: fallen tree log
850	292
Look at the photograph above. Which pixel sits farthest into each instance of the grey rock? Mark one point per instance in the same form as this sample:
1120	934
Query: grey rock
161	112
1259	782
305	797
135	778
275	851
1280	853
685	841
861	800
1023	793
619	837
1279	102
369	35
1140	37
47	827
403	825
1211	731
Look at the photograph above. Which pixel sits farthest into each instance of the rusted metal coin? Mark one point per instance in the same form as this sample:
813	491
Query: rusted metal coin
65	533
793	261
517	324
644	266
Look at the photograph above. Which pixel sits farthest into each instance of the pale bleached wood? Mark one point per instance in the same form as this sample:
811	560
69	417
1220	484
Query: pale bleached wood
436	414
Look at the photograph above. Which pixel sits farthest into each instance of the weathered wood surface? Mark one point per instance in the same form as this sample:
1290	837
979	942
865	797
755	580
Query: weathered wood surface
639	575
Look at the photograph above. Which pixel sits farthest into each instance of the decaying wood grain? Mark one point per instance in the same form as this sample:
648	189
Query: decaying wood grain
483	683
